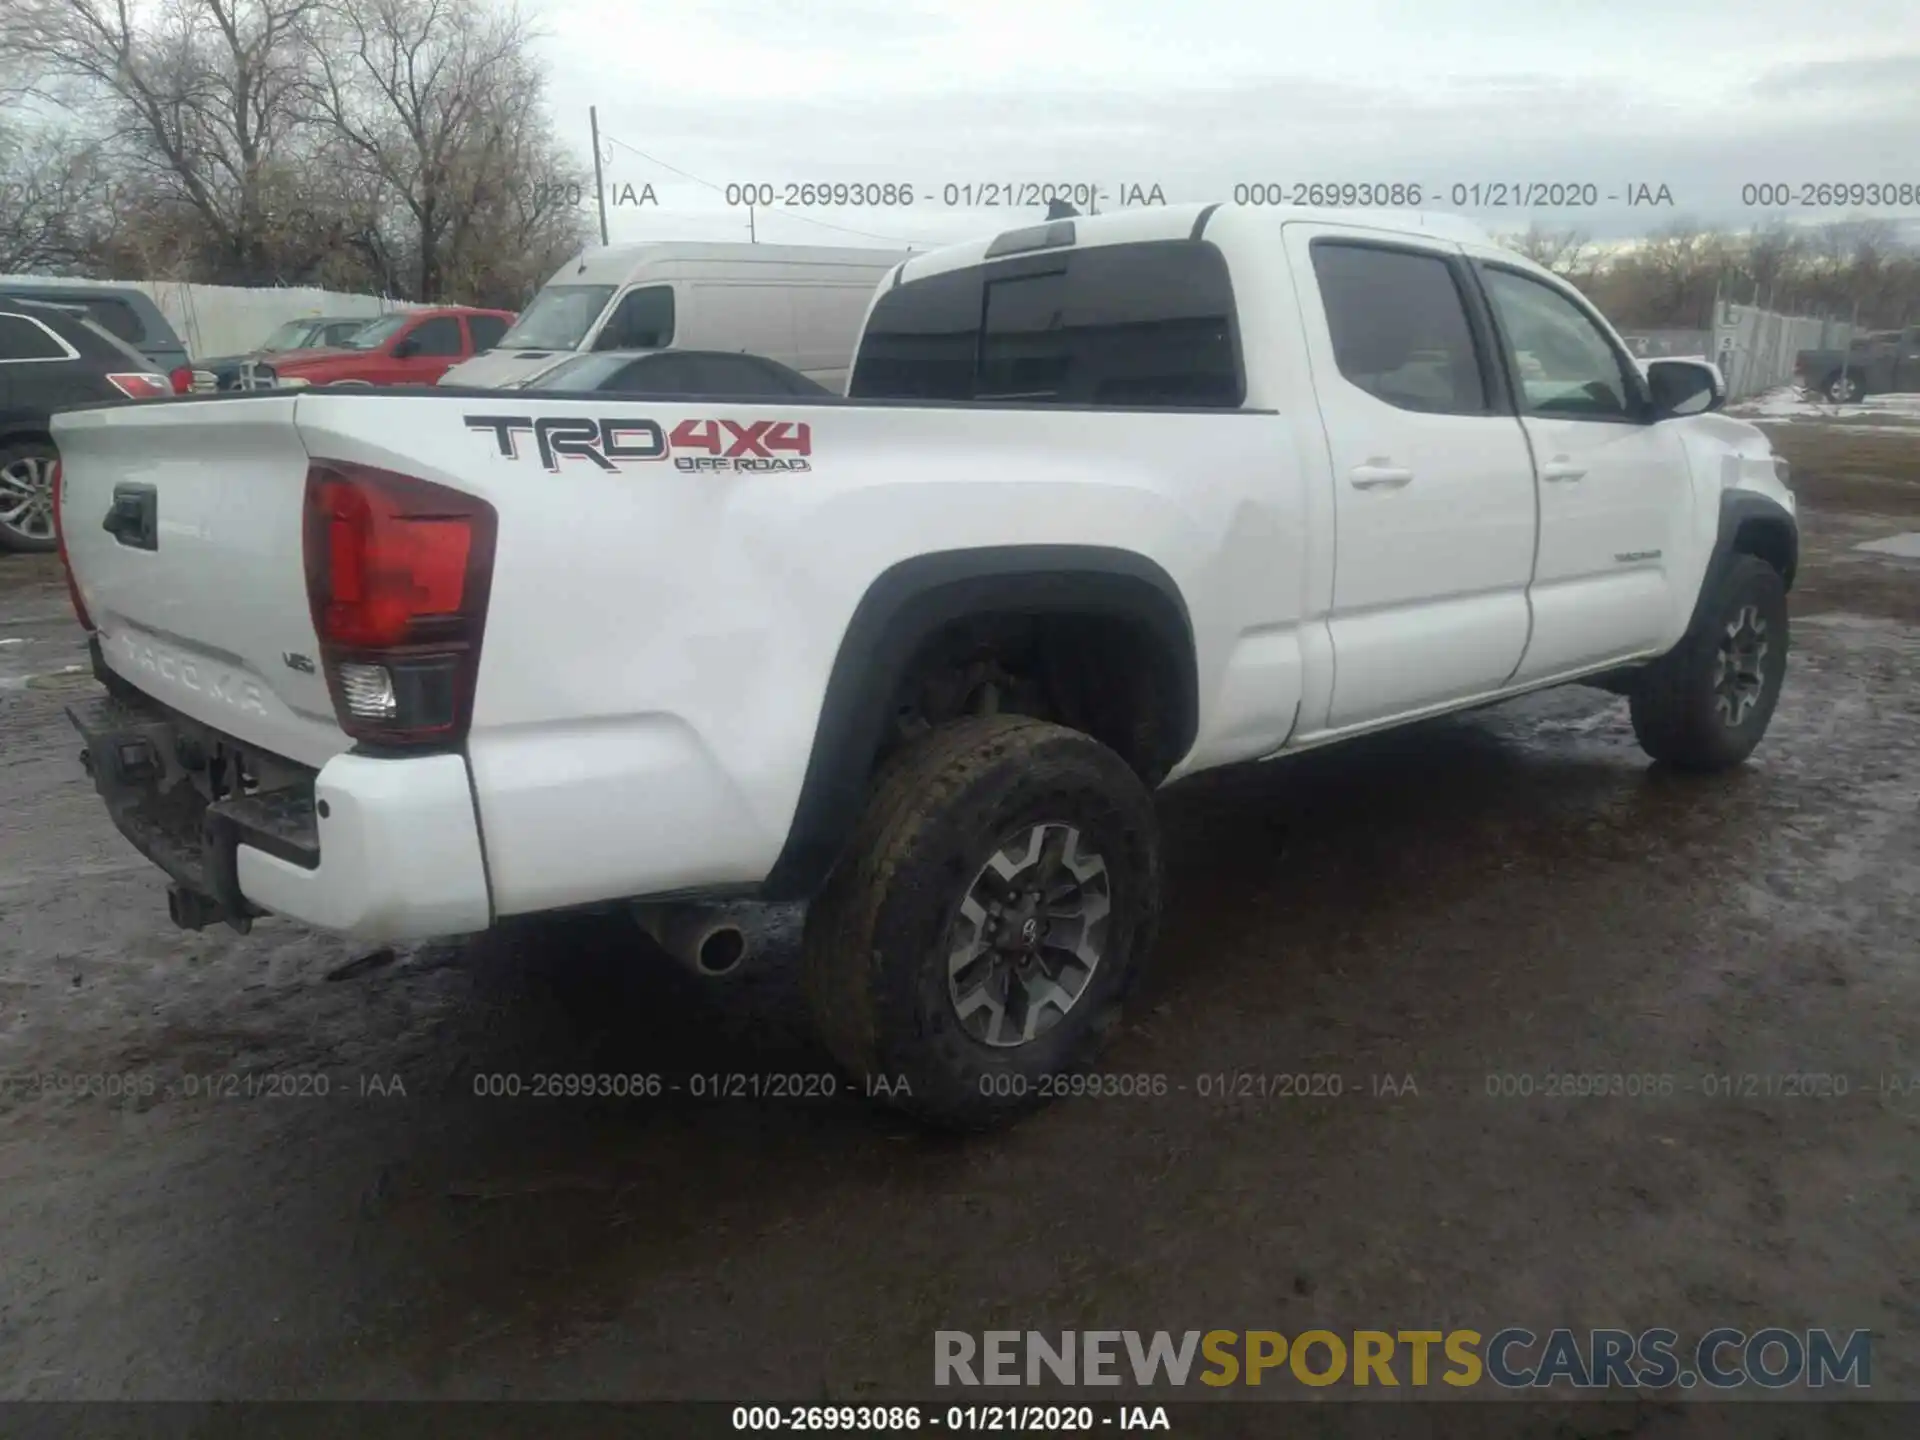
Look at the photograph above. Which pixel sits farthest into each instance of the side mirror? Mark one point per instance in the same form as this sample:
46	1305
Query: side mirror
1685	387
406	347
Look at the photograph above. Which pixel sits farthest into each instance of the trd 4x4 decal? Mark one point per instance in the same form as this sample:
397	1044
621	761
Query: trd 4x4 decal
727	445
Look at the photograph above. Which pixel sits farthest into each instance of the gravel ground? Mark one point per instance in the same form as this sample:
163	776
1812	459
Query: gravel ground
1512	893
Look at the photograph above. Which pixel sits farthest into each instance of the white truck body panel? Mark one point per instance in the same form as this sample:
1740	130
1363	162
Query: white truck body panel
659	639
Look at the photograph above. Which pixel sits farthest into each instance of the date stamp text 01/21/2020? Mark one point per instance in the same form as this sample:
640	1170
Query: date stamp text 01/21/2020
1087	195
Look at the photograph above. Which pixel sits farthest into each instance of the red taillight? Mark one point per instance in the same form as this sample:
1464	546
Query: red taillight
398	571
57	492
182	380
138	385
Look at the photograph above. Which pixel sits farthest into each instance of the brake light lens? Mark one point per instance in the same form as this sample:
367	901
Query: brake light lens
182	379
57	485
398	574
139	385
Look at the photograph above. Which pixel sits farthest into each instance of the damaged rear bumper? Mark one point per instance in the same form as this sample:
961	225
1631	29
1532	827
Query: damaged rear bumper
379	849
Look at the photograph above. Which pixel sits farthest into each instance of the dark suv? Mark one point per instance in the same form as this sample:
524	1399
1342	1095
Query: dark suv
51	359
127	314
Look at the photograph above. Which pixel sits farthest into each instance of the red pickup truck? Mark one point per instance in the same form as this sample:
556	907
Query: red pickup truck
413	347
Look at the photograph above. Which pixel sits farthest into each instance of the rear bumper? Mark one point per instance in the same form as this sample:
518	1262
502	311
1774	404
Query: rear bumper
372	848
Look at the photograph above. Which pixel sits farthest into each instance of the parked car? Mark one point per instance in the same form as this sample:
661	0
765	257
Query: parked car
1112	501
127	314
50	357
797	304
1884	362
413	347
713	373
313	332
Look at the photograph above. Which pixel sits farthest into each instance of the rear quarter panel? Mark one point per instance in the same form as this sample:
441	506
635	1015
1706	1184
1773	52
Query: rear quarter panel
659	641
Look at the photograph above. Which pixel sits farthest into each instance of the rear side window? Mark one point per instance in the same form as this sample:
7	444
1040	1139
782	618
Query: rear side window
21	339
1149	324
1399	327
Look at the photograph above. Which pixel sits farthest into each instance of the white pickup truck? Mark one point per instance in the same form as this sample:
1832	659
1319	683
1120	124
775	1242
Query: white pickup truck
1112	501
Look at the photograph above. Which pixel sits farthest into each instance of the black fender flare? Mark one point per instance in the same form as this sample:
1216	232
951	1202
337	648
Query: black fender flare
1751	512
910	602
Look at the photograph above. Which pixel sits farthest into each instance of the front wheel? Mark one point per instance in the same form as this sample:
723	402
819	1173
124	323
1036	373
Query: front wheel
1705	704
992	912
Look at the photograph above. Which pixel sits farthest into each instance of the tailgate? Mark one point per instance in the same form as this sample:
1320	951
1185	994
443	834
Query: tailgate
183	526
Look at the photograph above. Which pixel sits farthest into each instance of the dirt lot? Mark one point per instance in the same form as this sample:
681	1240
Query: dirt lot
1512	893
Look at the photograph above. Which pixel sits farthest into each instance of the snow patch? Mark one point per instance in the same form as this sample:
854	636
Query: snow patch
1905	545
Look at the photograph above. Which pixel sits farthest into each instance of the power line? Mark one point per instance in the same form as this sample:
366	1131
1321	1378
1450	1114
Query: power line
721	191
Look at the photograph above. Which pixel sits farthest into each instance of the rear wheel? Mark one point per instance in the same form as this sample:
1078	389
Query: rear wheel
1846	388
26	495
1706	704
989	919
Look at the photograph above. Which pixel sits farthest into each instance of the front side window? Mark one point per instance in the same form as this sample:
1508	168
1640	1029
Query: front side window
1564	364
1145	324
643	320
486	331
377	333
437	337
1399	327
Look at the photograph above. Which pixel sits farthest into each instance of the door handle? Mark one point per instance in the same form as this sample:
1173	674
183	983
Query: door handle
1561	468
133	518
1378	477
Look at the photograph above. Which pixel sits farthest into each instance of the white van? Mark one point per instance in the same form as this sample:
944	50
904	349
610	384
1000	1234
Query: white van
799	304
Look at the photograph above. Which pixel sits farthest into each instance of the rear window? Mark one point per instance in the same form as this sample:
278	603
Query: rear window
1148	324
118	319
22	339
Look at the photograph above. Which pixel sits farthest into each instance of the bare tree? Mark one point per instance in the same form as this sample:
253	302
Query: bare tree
436	106
1568	253
201	99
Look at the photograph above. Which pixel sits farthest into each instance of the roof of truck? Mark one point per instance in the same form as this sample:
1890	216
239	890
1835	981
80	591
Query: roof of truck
1180	222
612	264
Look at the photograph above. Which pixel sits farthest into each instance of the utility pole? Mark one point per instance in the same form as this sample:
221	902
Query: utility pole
599	179
752	237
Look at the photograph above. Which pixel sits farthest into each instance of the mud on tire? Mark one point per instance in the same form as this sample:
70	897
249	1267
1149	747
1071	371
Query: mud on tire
1705	704
881	938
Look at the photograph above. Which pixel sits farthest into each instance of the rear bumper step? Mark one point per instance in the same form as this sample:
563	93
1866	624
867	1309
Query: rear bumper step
378	849
160	775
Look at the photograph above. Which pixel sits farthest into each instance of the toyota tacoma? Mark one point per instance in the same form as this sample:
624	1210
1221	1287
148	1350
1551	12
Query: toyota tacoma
1111	501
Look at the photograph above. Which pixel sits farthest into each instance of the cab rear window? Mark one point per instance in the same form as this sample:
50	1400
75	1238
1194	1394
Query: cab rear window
1146	324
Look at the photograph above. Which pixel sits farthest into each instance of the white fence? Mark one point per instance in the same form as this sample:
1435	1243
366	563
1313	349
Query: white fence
225	319
1754	348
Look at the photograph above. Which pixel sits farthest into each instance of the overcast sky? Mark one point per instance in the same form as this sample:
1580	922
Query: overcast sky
1198	96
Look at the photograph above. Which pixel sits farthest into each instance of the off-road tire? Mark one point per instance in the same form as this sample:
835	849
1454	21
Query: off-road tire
1675	715
875	954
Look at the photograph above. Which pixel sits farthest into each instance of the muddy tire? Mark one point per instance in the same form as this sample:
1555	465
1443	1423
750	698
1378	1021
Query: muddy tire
1705	704
26	495
987	922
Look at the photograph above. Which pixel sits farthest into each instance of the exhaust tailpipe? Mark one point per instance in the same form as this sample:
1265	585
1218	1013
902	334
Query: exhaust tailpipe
708	942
